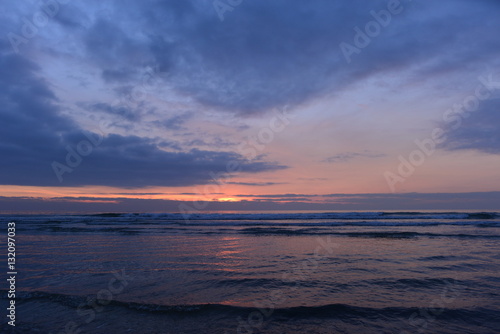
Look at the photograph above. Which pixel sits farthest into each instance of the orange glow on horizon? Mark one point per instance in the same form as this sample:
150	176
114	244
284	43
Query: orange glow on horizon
228	199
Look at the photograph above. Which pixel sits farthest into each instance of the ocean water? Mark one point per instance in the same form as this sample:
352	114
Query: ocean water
311	272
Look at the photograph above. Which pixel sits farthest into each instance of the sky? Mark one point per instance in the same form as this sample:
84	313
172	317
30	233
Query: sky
182	105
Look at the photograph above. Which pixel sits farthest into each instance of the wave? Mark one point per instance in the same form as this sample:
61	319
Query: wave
276	229
401	225
323	311
335	216
114	224
339	224
300	216
353	229
378	234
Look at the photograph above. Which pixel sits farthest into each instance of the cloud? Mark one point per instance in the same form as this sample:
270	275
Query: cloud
122	111
265	54
278	200
375	202
279	196
312	178
348	156
256	184
137	194
112	48
479	131
136	162
36	134
268	54
173	123
215	141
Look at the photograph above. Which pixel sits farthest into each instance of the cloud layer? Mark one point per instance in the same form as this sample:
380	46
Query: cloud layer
477	130
44	148
375	202
267	54
173	65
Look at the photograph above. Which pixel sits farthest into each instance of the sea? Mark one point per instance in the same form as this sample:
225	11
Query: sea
249	272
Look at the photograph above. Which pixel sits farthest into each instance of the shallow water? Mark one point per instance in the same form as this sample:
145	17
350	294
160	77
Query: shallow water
248	273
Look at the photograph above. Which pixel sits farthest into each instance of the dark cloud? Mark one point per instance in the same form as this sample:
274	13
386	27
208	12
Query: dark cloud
278	200
71	18
112	48
118	75
137	194
476	130
215	141
270	53
279	196
169	145
35	135
173	123
121	111
136	162
257	184
473	197
374	202
32	129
